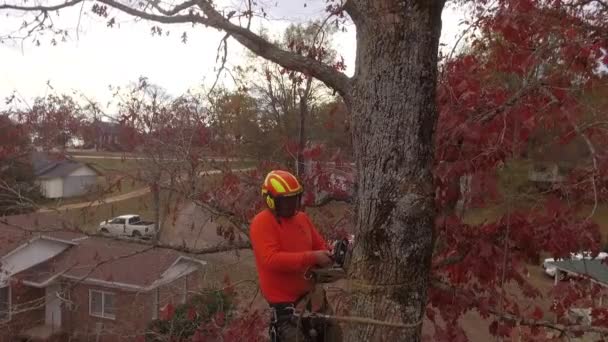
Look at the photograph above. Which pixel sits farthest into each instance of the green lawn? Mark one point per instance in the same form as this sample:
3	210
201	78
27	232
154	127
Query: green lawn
111	165
88	219
120	177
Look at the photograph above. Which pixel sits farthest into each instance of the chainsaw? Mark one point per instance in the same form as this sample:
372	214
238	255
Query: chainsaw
336	271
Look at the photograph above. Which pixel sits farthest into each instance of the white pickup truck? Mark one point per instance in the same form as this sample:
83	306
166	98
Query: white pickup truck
130	225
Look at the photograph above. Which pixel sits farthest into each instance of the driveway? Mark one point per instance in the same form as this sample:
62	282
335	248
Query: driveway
194	228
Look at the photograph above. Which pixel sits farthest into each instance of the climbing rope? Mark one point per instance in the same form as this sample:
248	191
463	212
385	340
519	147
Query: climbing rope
355	320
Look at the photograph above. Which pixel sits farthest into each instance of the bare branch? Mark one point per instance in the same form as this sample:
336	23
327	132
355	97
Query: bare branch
326	74
175	10
518	320
40	8
330	199
592	151
452	260
562	328
224	43
226	247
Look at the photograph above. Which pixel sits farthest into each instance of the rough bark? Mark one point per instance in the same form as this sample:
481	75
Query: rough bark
394	116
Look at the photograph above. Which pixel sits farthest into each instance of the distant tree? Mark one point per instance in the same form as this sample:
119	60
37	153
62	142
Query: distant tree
18	188
287	99
52	120
235	123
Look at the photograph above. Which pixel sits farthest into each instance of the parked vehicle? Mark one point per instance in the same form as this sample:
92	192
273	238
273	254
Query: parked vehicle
550	269
129	225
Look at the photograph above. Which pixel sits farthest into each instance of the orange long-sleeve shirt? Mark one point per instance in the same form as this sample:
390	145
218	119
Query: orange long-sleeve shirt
283	252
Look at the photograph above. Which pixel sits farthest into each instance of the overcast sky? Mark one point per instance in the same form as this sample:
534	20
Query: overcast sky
101	56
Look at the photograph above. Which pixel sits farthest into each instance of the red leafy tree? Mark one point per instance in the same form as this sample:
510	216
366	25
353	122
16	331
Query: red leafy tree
17	185
532	73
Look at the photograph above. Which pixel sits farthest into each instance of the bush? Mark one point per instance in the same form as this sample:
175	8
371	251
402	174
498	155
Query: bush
182	322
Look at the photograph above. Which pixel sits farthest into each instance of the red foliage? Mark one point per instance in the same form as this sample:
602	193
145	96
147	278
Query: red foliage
529	73
167	312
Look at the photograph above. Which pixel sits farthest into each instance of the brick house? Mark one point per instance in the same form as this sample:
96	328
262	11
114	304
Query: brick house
56	285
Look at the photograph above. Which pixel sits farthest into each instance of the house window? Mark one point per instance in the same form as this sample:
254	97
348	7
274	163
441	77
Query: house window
5	303
101	304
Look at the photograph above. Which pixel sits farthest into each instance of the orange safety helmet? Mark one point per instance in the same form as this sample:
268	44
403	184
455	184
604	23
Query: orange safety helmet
279	183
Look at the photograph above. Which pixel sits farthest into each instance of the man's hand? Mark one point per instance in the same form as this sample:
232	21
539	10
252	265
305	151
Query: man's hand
323	258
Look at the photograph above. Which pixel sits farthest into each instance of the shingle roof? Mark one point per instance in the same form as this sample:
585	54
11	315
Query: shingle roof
49	167
116	261
41	161
61	169
17	229
97	258
596	269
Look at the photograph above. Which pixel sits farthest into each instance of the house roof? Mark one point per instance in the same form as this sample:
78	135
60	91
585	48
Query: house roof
101	260
18	229
109	262
46	166
595	269
105	127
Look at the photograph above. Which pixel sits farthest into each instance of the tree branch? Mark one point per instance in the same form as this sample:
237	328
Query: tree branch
174	10
40	8
518	320
226	247
165	19
258	45
329	199
449	261
562	328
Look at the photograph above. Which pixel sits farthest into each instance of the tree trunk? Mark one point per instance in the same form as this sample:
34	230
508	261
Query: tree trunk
301	140
304	98
157	209
394	115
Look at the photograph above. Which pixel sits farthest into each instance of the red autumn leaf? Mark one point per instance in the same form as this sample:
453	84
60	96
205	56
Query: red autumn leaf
191	314
197	336
430	313
537	314
167	312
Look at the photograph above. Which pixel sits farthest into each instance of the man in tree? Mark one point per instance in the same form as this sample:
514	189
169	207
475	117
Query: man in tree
286	246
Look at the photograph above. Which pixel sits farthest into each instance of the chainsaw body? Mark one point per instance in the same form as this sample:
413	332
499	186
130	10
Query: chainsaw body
336	271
